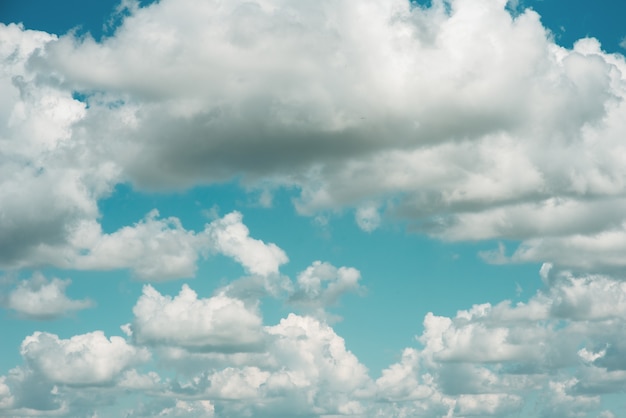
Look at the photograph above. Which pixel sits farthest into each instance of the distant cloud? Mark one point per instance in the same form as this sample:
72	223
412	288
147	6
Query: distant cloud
321	285
40	298
367	217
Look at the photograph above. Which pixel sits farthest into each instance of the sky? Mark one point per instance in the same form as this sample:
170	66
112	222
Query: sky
339	208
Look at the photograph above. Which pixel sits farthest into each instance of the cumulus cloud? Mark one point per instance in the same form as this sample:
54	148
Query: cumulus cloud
87	359
51	179
6	399
322	284
218	323
229	236
160	249
309	372
40	298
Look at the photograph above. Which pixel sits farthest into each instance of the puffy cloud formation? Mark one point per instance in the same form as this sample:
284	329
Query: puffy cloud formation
87	359
447	115
322	284
229	236
219	323
485	360
307	371
40	298
557	354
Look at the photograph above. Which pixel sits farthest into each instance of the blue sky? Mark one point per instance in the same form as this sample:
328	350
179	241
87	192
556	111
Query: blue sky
334	208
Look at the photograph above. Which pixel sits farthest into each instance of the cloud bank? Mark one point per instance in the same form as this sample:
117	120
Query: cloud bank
446	117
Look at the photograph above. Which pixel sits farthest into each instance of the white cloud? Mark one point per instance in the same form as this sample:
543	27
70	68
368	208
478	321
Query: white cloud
322	284
367	217
189	409
161	248
153	248
51	179
218	323
488	404
229	236
6	399
310	373
400	382
39	298
87	359
131	379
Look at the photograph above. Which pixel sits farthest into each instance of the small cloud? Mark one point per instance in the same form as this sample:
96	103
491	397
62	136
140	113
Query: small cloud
212	213
40	298
518	289
321	285
367	217
496	256
623	42
266	198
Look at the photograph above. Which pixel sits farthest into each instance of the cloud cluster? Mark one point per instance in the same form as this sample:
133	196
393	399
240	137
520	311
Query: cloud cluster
558	354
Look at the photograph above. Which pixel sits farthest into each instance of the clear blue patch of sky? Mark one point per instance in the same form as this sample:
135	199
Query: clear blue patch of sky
61	16
574	19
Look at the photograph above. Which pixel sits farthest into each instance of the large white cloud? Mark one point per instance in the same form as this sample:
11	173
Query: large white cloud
458	110
449	116
40	298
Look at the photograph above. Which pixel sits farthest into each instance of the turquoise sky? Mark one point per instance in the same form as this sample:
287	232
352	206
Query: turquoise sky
316	209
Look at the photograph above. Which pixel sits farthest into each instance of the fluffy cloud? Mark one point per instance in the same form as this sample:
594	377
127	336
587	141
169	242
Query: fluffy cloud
309	372
161	248
322	284
51	179
219	323
87	359
39	298
229	236
6	399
